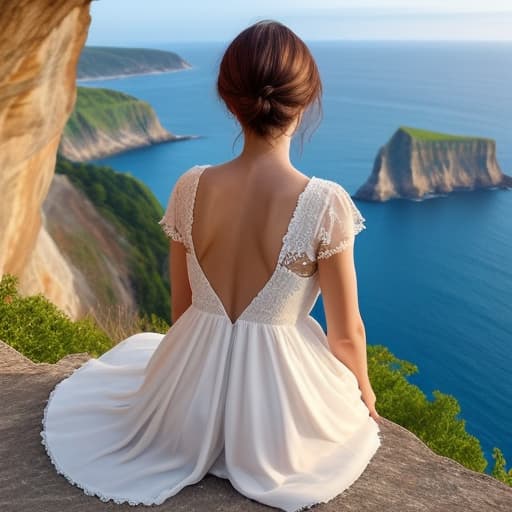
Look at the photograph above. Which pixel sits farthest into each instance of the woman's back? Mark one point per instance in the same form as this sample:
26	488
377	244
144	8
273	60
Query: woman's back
240	217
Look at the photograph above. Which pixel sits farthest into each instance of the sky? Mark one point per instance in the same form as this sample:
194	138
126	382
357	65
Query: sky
125	22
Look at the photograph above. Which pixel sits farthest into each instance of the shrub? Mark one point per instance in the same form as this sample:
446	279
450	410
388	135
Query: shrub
435	422
499	472
40	331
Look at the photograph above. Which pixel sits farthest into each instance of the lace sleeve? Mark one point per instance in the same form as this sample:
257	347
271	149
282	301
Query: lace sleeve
340	222
171	222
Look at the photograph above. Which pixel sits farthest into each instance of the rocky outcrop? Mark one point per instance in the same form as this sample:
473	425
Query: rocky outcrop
404	475
416	164
105	122
40	43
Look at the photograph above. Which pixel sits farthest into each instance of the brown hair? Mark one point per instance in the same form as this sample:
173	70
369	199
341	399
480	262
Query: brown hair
267	77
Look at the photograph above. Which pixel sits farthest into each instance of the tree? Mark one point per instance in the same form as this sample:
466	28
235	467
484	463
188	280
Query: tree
498	471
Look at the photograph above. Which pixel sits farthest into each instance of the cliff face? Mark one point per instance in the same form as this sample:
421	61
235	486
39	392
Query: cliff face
404	475
105	122
40	43
92	249
79	261
415	163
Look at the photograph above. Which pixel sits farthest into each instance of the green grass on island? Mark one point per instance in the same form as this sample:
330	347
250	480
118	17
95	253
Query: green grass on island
104	61
105	110
429	136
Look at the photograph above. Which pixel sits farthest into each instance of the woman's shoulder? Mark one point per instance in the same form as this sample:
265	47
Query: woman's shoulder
191	171
329	190
331	185
337	200
186	179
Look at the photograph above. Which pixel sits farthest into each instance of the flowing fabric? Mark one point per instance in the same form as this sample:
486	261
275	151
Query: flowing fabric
262	401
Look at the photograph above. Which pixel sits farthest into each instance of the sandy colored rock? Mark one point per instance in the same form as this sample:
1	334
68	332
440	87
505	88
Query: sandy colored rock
404	475
40	43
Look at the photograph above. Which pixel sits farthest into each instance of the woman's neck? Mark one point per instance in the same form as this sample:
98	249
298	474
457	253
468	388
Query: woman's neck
259	152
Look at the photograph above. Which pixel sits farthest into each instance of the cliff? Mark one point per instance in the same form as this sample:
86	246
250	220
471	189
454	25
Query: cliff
404	475
98	62
416	163
93	249
40	43
131	247
105	122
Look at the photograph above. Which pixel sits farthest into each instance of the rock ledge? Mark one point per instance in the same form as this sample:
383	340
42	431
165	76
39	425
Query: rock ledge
404	475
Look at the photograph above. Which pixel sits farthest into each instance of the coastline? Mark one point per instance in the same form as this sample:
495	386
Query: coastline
107	154
127	75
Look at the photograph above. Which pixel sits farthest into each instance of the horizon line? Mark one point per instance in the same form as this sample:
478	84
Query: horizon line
206	41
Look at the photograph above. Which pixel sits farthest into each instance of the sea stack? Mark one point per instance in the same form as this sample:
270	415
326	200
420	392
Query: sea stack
417	163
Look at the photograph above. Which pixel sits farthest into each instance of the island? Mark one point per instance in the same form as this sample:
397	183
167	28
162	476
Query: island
105	122
102	62
419	164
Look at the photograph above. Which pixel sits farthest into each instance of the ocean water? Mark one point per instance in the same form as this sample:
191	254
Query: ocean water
434	276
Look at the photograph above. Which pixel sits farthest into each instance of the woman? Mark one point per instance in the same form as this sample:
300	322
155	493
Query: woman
245	385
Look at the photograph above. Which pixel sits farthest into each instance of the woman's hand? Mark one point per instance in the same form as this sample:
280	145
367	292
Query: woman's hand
369	398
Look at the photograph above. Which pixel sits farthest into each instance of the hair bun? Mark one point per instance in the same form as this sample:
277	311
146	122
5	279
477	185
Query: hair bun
266	91
245	76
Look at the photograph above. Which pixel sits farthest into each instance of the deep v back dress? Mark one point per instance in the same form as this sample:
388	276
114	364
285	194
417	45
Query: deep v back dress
261	401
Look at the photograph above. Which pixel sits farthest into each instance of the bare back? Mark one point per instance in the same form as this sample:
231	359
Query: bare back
239	221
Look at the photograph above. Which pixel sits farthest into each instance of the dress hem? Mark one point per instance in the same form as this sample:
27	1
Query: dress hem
159	501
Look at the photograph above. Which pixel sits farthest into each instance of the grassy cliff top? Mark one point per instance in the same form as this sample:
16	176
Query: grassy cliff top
104	61
104	109
426	135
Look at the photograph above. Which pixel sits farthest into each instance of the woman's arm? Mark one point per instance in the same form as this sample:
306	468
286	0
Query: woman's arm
181	293
345	328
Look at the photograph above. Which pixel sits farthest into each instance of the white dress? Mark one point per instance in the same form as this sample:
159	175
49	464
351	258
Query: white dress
261	401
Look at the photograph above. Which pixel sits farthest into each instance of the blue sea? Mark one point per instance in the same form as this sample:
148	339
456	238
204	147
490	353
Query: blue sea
434	276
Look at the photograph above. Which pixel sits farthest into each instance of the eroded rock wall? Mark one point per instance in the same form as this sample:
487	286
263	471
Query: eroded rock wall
40	43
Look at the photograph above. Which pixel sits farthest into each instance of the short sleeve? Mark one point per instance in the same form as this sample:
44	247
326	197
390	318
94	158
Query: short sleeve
339	223
171	222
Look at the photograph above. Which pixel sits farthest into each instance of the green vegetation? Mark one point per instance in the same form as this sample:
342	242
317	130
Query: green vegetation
40	331
103	61
499	472
425	135
435	422
36	328
134	210
106	110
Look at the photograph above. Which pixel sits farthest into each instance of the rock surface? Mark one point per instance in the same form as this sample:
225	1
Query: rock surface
403	476
40	43
415	164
